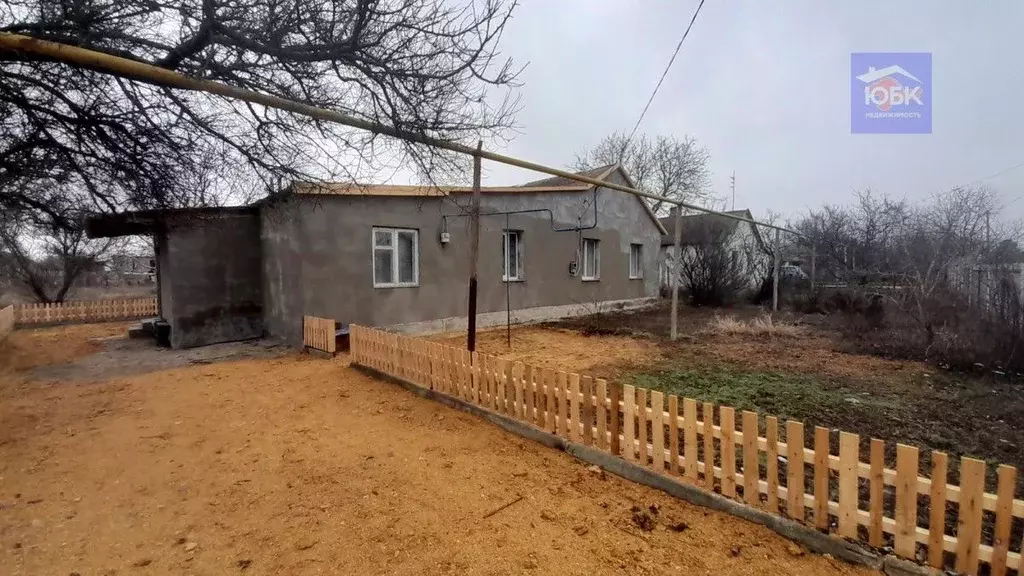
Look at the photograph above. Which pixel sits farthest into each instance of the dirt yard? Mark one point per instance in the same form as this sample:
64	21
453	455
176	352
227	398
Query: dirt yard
285	464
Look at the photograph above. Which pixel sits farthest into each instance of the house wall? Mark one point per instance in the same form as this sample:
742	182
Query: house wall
212	291
281	275
337	276
165	299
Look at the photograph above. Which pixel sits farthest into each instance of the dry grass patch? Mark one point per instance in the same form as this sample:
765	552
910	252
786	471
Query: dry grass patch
760	326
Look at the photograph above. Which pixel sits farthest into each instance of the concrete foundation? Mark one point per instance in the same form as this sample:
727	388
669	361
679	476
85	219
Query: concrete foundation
523	316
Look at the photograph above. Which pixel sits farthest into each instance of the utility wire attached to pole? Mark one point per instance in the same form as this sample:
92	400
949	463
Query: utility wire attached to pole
662	79
150	74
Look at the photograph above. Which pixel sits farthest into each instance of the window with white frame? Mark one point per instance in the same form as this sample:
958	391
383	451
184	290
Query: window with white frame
512	255
396	258
636	261
591	259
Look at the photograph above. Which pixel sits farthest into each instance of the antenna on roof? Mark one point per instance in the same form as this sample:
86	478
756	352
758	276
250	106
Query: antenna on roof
732	184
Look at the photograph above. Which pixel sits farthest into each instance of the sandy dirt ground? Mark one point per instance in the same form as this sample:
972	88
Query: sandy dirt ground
563	349
295	465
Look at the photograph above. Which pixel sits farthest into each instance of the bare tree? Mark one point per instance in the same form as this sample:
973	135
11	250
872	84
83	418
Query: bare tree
424	66
662	165
46	257
712	270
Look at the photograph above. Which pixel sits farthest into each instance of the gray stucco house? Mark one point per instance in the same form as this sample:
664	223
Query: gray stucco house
396	256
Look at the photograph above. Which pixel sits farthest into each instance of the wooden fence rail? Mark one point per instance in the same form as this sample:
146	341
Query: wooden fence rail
318	333
6	321
849	497
84	311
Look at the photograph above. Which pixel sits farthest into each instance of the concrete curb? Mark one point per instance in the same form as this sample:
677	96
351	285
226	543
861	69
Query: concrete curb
814	540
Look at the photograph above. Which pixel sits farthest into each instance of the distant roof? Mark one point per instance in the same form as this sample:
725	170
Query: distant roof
601	172
695	227
555	184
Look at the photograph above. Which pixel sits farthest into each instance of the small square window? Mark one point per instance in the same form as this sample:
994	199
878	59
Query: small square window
636	261
591	259
395	257
512	255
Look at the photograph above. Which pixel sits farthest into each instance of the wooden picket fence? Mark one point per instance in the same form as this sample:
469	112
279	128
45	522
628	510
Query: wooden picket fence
850	498
6	321
318	333
84	311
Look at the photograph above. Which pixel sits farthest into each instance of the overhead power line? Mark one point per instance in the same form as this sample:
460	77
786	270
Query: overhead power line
147	73
994	174
663	74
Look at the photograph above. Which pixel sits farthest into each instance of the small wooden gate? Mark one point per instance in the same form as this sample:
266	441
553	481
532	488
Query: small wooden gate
318	333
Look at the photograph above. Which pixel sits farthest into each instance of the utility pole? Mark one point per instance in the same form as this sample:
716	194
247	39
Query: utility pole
775	273
474	250
813	254
988	231
677	239
732	185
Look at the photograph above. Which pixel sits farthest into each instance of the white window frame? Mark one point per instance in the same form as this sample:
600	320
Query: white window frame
518	275
590	275
394	257
637	272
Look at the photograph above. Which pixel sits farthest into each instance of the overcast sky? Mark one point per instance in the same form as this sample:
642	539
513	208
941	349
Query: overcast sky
765	85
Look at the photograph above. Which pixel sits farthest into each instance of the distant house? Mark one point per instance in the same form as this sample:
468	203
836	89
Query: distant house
396	256
128	268
740	241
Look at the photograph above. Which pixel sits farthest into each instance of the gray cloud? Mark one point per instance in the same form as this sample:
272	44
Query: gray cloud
766	86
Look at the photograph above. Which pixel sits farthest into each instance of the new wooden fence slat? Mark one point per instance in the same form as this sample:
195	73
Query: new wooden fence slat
563	404
772	463
673	434
574	407
877	490
795	469
459	378
501	383
543	406
486	381
849	457
751	459
614	419
1004	517
968	528
517	386
587	388
690	439
628	419
937	509
641	425
550	379
528	395
467	370
821	453
906	500
602	414
727	423
658	431
708	413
